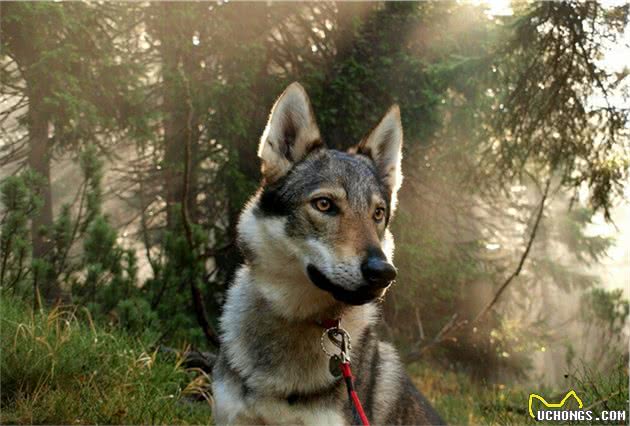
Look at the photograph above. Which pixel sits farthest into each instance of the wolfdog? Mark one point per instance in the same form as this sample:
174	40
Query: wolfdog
316	248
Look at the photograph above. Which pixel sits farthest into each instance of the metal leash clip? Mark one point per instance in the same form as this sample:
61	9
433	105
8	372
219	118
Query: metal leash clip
341	339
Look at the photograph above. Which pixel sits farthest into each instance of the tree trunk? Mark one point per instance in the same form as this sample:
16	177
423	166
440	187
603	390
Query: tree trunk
19	39
173	171
41	225
174	110
176	134
177	118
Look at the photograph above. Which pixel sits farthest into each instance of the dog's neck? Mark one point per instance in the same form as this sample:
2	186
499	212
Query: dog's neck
295	362
293	298
291	295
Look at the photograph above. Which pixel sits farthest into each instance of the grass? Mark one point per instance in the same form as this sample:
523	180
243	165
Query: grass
56	369
461	401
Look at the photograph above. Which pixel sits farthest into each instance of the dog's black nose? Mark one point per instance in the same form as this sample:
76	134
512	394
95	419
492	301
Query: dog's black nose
378	272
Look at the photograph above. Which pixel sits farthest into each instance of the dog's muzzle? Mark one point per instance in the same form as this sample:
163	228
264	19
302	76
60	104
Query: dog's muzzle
377	274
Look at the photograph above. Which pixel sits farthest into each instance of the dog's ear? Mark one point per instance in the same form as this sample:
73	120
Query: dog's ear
291	133
384	146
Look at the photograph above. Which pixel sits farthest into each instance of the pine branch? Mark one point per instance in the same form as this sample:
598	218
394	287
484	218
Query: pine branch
452	325
521	262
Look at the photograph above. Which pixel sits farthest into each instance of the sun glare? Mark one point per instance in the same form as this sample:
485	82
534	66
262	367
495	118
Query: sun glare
495	7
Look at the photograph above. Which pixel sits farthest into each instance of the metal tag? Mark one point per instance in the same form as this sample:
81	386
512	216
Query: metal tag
334	366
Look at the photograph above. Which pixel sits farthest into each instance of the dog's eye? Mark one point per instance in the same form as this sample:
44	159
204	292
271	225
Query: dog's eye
323	204
379	214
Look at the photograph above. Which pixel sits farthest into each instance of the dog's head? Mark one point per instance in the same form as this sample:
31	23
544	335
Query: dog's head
321	216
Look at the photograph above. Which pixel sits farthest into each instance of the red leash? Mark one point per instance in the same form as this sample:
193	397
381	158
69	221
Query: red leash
352	394
340	338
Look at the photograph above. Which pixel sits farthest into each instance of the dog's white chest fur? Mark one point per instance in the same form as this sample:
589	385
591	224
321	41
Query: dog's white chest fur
231	408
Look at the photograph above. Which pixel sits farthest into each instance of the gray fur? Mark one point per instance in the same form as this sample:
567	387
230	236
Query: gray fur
271	368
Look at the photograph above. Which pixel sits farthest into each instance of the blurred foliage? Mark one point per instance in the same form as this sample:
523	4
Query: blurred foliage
554	108
170	98
73	66
605	317
609	307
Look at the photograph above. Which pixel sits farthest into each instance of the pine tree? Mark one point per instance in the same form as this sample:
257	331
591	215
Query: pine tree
64	61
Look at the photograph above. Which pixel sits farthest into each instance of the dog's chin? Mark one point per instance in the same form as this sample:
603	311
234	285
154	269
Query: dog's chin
360	296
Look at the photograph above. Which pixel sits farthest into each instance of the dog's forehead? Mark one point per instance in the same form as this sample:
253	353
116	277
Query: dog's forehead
356	174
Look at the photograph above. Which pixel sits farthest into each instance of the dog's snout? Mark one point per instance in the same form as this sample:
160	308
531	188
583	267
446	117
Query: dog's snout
377	271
